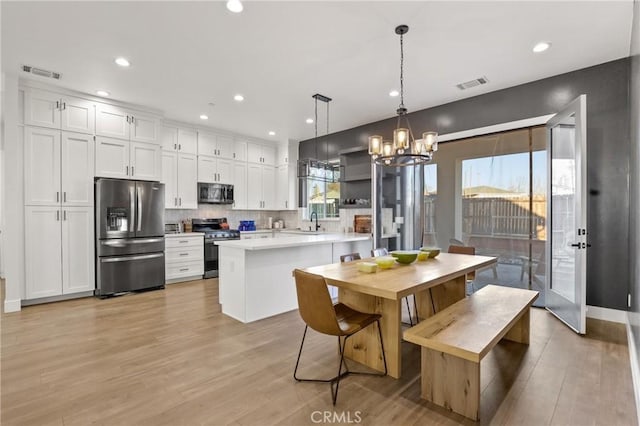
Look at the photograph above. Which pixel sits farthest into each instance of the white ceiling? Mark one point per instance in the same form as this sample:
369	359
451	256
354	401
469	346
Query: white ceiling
278	54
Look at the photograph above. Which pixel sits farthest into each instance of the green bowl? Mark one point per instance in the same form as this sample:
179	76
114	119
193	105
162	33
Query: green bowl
433	251
404	256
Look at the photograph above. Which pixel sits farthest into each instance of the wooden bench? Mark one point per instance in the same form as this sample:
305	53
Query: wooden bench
455	340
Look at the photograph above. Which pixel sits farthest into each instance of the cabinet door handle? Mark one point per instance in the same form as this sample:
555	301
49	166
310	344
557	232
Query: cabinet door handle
57	215
234	155
179	147
57	104
184	269
180	201
175	202
175	146
64	105
64	196
57	196
132	118
64	215
184	254
131	170
127	170
286	204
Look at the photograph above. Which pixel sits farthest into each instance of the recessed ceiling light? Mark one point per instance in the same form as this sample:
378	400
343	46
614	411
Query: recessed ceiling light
239	98
234	6
123	62
309	120
394	93
102	93
204	117
541	47
272	133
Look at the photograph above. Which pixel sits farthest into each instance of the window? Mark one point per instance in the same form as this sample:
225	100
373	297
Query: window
323	197
430	196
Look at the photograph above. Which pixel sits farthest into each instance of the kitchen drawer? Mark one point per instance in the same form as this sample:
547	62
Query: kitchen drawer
184	241
184	254
186	269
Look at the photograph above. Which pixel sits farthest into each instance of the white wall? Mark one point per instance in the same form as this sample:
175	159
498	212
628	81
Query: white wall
13	212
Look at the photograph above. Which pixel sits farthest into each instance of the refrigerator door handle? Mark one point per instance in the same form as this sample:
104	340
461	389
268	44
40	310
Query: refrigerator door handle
128	258
139	218
126	242
132	206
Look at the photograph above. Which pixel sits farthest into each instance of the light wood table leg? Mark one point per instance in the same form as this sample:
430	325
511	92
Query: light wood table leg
440	296
520	330
451	382
364	346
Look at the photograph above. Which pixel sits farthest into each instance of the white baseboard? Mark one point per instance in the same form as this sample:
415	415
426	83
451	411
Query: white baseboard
635	368
12	305
606	314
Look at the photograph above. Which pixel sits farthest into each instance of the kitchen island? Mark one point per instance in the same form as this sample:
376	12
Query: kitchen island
255	279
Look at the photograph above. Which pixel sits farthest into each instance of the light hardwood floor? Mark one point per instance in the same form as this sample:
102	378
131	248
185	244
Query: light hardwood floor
171	358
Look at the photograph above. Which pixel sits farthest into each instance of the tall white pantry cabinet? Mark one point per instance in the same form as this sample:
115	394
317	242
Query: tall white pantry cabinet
59	171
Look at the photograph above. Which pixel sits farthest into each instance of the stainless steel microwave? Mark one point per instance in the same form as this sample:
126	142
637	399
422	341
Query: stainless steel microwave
215	193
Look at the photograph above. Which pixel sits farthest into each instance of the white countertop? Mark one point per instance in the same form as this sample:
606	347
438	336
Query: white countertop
184	234
292	241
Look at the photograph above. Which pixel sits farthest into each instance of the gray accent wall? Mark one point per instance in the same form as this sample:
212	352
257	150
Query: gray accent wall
607	90
634	190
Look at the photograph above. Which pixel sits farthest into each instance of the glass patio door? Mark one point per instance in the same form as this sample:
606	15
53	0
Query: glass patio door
566	246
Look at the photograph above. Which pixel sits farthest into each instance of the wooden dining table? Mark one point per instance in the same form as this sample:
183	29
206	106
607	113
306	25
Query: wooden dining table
436	284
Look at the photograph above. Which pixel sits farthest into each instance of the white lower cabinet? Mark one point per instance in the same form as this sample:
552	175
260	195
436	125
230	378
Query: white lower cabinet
59	248
180	178
184	257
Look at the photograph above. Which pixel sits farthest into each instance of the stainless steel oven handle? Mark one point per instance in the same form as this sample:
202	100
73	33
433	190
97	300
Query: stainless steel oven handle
128	258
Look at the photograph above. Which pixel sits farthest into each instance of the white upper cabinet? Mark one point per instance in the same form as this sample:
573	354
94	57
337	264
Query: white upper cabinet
261	154
145	160
116	122
179	140
240	188
112	122
215	170
170	178
78	152
180	177
287	153
261	194
117	158
48	109
187	181
187	141
78	115
112	158
42	166
213	145
240	150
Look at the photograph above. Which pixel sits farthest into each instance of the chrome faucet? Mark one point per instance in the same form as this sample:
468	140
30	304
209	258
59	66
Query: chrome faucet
317	224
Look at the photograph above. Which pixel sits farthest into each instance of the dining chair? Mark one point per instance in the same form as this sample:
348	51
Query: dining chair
465	250
318	312
381	251
349	257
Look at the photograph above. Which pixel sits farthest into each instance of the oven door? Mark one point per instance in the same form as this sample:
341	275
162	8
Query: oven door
210	259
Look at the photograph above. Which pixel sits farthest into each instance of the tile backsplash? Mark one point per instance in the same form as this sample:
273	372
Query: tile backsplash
292	219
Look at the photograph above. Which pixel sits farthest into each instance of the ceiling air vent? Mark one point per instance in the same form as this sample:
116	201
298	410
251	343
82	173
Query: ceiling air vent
40	72
472	83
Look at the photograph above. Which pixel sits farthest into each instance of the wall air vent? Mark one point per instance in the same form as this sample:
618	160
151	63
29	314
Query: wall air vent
41	73
472	83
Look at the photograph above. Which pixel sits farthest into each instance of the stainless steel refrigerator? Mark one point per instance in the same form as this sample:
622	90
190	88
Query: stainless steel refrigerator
129	236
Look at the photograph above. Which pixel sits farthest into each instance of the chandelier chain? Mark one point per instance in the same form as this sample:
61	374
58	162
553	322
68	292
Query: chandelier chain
401	71
315	122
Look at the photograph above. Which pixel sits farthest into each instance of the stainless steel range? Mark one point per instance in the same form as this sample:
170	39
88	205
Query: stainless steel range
214	230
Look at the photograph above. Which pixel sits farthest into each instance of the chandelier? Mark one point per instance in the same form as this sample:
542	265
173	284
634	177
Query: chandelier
404	149
314	168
